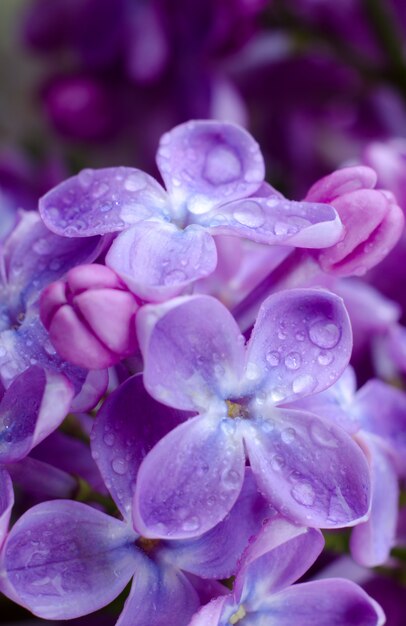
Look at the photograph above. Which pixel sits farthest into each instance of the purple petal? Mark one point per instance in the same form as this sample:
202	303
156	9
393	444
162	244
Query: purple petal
32	407
381	409
92	389
300	344
193	351
63	559
277	221
309	469
36	257
184	494
127	426
204	163
157	260
96	202
6	502
334	602
372	540
279	556
215	554
159	595
42	479
342	181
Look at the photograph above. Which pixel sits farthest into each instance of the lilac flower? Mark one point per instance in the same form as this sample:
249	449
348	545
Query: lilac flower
376	417
30	259
214	177
195	359
263	592
90	317
64	559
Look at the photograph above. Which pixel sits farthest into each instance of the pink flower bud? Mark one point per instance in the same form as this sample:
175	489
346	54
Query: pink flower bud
90	317
372	220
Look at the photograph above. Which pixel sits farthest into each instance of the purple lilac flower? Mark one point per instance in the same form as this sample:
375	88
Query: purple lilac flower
90	317
195	359
376	417
31	258
264	592
64	559
214	177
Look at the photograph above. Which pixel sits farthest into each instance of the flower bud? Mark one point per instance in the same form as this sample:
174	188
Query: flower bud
90	317
372	220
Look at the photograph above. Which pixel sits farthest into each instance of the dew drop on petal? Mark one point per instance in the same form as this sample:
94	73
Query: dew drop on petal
252	371
288	435
304	384
324	334
277	462
325	358
273	358
174	277
293	361
303	493
119	466
249	214
109	439
322	436
191	524
222	166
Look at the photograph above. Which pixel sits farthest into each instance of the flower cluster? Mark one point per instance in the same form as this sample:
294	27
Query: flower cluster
177	405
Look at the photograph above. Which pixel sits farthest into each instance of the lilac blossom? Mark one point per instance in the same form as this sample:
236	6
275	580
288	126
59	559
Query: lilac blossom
195	359
376	417
64	559
264	592
90	317
31	258
214	177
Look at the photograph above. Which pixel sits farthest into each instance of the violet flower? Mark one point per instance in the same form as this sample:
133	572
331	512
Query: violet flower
64	559
214	174
375	416
264	592
195	359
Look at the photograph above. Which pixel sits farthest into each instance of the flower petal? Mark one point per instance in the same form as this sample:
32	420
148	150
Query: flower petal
279	556
210	614
127	426
6	502
190	480
64	559
206	162
157	261
159	595
300	344
215	553
333	601
32	407
193	351
372	540
96	202
277	221
309	469
344	180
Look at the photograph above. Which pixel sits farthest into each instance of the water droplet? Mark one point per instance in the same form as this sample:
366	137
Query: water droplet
99	190
288	435
191	524
109	439
293	361
249	214
322	436
230	479
304	384
135	182
324	334
277	394
85	177
119	466
41	246
325	358
303	493
300	335
273	358
280	229
222	165
277	462
282	334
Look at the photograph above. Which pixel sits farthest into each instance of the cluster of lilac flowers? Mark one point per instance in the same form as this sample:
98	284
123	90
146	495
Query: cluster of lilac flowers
177	405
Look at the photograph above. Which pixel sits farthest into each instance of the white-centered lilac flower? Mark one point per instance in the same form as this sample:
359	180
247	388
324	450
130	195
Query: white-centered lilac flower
31	258
214	177
63	559
375	416
264	593
195	359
